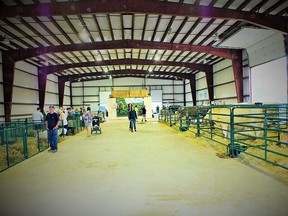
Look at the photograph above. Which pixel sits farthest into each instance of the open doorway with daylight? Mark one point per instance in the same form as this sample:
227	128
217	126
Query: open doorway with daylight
122	105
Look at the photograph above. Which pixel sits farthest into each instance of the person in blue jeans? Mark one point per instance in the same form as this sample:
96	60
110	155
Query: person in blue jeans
132	116
52	123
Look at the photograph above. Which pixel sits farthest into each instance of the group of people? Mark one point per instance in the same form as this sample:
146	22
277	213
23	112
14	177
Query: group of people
53	120
133	116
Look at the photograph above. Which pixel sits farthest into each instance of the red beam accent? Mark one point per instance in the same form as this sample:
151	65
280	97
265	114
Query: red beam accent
127	72
8	79
200	67
144	7
210	86
238	76
19	55
193	89
184	93
61	88
42	78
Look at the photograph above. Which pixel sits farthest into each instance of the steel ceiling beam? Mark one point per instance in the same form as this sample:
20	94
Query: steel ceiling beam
19	55
279	23
56	68
126	72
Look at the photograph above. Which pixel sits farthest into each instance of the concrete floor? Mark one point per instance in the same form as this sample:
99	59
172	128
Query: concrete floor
153	172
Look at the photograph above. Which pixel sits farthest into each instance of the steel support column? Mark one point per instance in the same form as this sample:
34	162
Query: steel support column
42	80
8	80
210	86
61	87
238	76
71	96
192	80
184	92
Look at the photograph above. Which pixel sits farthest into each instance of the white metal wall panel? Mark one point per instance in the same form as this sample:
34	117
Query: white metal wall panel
76	84
77	100
22	95
51	86
201	83
224	76
223	64
77	91
51	99
105	82
156	95
90	91
132	81
24	66
67	90
52	77
90	99
26	80
92	83
66	101
158	82
269	82
178	89
167	89
223	91
121	87
179	98
266	50
200	75
22	109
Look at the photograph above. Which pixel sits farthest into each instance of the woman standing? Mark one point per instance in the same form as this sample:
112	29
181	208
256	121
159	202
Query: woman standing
88	118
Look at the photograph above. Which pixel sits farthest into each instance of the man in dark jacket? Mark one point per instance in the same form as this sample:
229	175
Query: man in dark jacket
52	123
132	116
144	111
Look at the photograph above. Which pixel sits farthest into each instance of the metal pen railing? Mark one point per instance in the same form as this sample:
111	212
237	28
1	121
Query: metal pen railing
259	131
21	139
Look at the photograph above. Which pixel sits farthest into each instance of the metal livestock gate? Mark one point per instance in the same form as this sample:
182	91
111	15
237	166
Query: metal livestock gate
259	131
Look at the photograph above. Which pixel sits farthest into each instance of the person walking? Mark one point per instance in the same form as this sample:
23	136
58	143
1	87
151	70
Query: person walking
88	118
132	116
144	111
52	123
137	111
37	119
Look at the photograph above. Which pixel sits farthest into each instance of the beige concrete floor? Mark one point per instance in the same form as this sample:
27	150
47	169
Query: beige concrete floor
153	172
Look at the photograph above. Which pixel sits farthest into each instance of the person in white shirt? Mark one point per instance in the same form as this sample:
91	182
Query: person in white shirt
37	119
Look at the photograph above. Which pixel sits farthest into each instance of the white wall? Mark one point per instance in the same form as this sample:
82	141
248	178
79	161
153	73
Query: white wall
25	91
89	92
268	70
269	82
25	99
